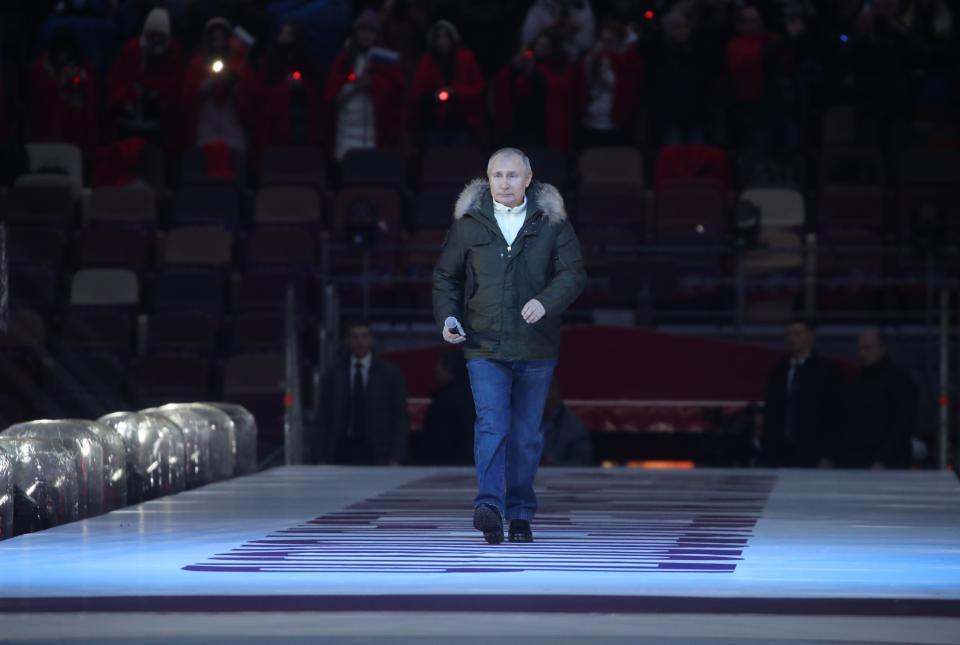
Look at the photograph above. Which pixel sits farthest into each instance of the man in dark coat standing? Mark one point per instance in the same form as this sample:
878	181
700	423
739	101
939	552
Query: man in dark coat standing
803	405
447	437
364	407
881	407
510	266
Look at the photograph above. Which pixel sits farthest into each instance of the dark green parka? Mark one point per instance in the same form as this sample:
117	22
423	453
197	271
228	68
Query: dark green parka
484	282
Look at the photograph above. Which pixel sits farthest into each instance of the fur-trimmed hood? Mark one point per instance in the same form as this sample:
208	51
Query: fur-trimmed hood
541	195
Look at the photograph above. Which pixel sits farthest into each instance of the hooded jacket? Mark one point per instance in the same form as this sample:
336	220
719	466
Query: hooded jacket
484	282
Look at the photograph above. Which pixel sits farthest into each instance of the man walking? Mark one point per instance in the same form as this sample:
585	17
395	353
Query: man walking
509	267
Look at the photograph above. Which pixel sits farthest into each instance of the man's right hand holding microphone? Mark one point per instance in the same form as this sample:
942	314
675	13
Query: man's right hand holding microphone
452	331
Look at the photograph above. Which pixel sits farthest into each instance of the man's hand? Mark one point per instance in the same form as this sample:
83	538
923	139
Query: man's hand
455	339
533	311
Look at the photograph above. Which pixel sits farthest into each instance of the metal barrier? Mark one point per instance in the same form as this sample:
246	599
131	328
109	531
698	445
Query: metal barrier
293	404
804	272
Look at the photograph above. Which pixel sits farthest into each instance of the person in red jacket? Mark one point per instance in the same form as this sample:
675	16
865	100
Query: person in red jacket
756	60
209	95
614	73
539	95
281	102
144	82
745	56
65	91
448	91
364	94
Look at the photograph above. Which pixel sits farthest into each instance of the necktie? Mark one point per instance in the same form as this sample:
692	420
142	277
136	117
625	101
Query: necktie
791	410
356	402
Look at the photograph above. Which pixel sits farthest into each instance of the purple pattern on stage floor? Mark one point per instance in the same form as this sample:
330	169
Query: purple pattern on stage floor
601	521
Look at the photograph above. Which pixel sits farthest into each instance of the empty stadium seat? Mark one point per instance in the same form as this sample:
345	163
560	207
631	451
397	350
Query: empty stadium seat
288	206
622	164
611	204
195	168
293	166
690	210
280	247
197	246
206	204
374	167
846	166
434	208
382	204
157	380
182	333
29	246
44	206
113	287
692	162
132	205
116	248
839	126
451	166
550	166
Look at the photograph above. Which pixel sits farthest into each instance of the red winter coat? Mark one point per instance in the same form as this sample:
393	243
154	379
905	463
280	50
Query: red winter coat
64	113
386	92
565	94
118	163
628	69
692	160
466	91
162	77
265	106
197	72
746	65
4	126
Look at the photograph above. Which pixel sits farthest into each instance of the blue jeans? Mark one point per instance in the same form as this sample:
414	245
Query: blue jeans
507	443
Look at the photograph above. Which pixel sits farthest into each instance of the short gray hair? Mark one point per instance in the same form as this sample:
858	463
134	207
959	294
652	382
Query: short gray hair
511	151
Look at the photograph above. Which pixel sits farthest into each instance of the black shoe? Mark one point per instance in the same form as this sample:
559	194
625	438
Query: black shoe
487	518
520	531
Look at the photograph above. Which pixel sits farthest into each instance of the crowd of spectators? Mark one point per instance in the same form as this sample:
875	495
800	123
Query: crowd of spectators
560	73
243	76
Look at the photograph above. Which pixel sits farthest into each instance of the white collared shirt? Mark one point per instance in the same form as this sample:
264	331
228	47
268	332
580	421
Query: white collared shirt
795	364
364	368
510	219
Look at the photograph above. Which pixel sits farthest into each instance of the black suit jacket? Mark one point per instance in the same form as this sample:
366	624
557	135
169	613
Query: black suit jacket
387	418
881	415
818	412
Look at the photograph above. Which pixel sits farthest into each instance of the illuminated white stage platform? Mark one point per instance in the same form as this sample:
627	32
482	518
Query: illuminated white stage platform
358	555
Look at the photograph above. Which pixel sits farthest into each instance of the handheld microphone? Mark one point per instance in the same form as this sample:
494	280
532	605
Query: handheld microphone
453	325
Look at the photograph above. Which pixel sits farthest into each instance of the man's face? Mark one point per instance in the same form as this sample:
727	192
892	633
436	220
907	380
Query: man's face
361	341
871	349
508	179
157	41
287	35
886	8
443	42
751	22
677	28
219	41
542	48
799	339
609	39
366	37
